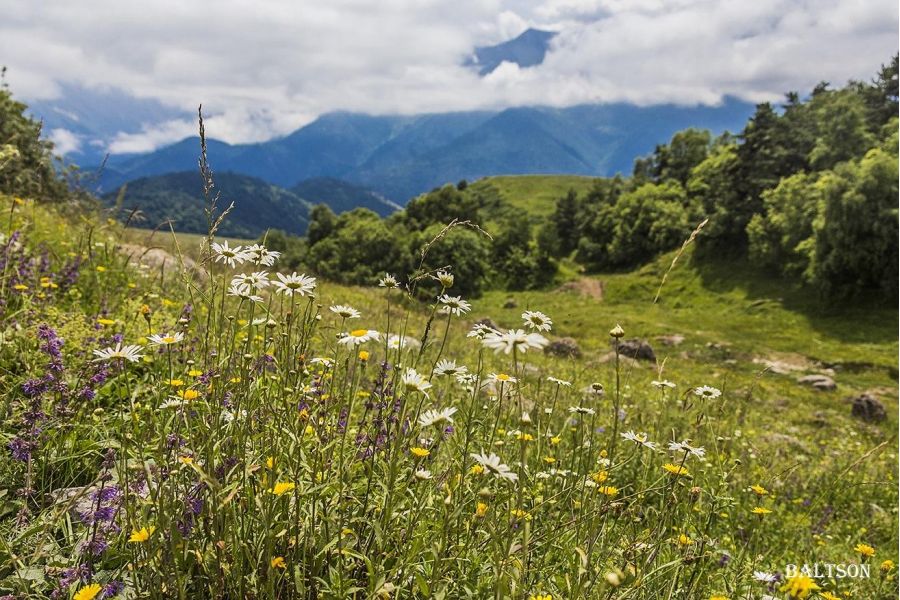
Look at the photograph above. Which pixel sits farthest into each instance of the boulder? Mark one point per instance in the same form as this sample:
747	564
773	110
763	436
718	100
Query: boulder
819	382
510	303
868	408
674	339
564	347
636	348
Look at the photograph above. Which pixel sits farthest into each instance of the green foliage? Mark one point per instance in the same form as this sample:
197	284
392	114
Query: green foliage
462	250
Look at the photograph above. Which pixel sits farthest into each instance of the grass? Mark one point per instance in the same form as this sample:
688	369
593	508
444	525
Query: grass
261	457
534	194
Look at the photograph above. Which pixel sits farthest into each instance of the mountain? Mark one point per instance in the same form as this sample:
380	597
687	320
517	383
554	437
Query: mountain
526	50
341	196
178	197
399	157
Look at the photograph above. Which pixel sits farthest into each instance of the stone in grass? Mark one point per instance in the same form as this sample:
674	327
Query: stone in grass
819	382
510	303
563	347
868	408
636	348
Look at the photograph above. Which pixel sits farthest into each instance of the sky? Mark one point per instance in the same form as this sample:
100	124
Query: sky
263	68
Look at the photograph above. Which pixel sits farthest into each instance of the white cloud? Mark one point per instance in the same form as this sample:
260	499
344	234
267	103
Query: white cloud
264	68
64	141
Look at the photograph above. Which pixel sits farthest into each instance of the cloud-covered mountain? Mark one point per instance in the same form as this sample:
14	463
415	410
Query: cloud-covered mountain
399	157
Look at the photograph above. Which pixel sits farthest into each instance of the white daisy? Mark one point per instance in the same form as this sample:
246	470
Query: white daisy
686	447
243	292
454	305
501	378
491	463
641	439
449	368
256	280
434	417
480	330
595	389
559	382
260	255
389	281
358	336
228	255
581	410
325	362
395	342
423	474
131	353
289	285
159	339
466	379
763	577
707	392
514	339
345	312
415	382
661	384
535	319
445	278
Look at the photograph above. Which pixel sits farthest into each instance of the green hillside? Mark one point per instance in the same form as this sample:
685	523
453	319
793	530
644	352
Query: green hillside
535	195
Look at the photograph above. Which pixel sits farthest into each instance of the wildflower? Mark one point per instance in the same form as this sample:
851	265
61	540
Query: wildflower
228	255
642	439
537	320
864	550
608	490
477	470
419	452
278	563
363	355
799	586
559	382
345	312
887	566
764	577
480	330
139	536
101	269
449	368
685	447
555	440
481	509
243	292
358	336
514	339
518	513
492	464
129	353
189	394
106	322
524	437
389	281
675	469
595	389
759	510
617	331
501	378
435	417
599	476
707	392
158	339
260	255
581	410
828	596
195	373
759	490
684	540
283	487
661	384
88	592
414	382
175	382
444	278
422	474
718	597
20	287
540	596
454	305
294	284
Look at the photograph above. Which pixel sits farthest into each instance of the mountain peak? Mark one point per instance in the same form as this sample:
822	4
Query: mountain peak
526	50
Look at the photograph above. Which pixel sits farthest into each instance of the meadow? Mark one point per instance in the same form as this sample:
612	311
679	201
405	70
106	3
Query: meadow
234	431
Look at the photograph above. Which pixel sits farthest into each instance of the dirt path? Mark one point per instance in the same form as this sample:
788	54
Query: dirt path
586	286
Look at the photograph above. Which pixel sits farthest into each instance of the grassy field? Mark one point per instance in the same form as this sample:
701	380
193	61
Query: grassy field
265	456
534	194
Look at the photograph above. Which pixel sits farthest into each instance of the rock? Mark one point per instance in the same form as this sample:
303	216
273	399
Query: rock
868	408
636	348
819	382
674	339
564	347
510	303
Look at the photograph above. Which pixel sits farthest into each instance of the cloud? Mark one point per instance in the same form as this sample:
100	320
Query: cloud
64	141
262	69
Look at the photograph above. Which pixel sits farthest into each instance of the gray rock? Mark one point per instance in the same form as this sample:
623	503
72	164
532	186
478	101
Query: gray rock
819	382
565	347
636	348
868	408
510	303
674	339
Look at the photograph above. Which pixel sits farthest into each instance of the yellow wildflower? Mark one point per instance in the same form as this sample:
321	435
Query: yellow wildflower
887	566
759	490
101	269
549	459
270	462
684	540
518	513
608	490
363	355
600	476
139	536
283	487
419	452
865	549
759	510
476	470
540	597
175	382
278	563
481	509
106	321
828	596
189	394
20	287
555	440
195	373
799	586
88	592
675	469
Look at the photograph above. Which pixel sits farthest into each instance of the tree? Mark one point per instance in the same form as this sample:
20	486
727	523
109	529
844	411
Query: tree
843	132
322	223
565	222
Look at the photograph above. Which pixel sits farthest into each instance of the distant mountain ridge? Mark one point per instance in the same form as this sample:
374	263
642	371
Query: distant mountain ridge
399	157
526	50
